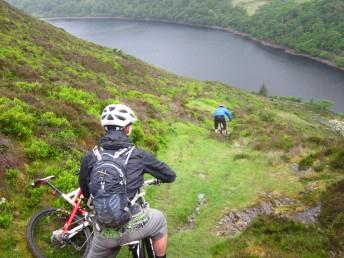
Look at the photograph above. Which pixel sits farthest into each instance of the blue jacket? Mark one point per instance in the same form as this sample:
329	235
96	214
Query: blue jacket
222	111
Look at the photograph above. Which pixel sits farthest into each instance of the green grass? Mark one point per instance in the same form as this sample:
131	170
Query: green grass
53	88
205	165
250	5
266	233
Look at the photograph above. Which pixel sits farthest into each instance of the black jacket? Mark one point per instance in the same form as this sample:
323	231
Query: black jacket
140	162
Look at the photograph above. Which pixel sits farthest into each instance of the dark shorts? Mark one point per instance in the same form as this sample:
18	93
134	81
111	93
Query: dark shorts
220	120
105	245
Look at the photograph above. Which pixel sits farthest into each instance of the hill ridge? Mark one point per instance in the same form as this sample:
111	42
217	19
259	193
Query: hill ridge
53	87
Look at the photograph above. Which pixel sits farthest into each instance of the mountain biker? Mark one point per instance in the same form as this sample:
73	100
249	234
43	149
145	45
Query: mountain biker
118	120
220	115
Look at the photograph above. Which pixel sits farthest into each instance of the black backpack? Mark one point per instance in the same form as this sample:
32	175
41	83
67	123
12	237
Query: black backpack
108	186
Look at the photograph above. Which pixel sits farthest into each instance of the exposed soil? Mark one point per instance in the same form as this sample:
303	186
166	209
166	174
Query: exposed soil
236	221
9	156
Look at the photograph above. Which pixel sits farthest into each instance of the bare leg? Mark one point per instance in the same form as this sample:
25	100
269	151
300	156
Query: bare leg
160	246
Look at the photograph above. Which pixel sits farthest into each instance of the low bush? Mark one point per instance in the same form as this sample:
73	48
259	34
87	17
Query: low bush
322	105
307	162
39	149
6	216
33	196
5	219
332	214
11	176
336	232
50	119
337	160
270	236
267	116
16	118
137	135
79	99
241	156
28	86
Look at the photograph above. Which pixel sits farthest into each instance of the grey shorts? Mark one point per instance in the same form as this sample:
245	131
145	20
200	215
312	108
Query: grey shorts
105	246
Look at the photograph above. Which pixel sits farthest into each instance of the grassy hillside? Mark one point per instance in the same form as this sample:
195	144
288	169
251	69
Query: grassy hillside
53	87
313	27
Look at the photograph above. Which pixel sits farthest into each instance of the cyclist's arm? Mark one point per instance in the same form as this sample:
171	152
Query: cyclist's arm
157	168
84	176
228	114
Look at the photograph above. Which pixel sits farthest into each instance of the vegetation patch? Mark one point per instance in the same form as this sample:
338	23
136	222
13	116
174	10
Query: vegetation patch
54	87
332	216
271	236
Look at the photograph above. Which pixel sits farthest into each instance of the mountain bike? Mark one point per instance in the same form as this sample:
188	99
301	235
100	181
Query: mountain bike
221	130
63	233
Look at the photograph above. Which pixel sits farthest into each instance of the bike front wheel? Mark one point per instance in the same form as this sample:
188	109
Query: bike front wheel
40	231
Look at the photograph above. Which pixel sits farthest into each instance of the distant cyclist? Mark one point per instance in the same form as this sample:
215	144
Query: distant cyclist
220	115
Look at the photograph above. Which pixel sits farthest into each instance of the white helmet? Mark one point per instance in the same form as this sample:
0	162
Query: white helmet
118	115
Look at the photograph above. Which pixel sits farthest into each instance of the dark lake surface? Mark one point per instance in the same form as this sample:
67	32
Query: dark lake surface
214	55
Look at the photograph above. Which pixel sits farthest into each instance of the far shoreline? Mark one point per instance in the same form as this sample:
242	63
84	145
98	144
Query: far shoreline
265	43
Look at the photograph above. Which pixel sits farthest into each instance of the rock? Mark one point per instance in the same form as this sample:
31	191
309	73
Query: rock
236	221
337	126
2	200
295	167
309	215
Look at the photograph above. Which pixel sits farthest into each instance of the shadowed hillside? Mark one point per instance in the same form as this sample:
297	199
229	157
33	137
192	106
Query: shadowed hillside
53	87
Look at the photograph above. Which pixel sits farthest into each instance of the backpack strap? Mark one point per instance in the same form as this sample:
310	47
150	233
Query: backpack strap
97	153
120	152
128	155
128	151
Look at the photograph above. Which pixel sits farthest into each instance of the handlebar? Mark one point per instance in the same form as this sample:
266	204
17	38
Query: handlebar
41	181
154	181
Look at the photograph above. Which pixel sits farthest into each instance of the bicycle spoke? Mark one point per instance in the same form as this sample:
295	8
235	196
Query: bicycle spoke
43	232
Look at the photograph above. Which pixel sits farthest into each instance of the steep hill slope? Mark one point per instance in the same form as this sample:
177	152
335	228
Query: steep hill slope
53	87
313	27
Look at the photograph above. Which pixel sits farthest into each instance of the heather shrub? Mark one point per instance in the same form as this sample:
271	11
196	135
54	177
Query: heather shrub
5	219
16	118
39	149
337	160
306	162
34	196
80	99
50	119
28	86
11	176
6	216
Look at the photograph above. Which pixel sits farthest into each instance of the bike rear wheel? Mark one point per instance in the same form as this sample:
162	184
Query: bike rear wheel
143	249
148	246
40	229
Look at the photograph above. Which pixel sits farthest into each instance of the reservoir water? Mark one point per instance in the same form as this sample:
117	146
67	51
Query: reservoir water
214	55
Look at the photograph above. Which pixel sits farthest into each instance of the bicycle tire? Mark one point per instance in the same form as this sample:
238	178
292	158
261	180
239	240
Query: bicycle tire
148	246
39	231
137	250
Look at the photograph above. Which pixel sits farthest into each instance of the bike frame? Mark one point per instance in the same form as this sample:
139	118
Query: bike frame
74	199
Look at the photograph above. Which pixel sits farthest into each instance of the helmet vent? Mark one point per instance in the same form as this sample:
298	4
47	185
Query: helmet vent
120	117
117	114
